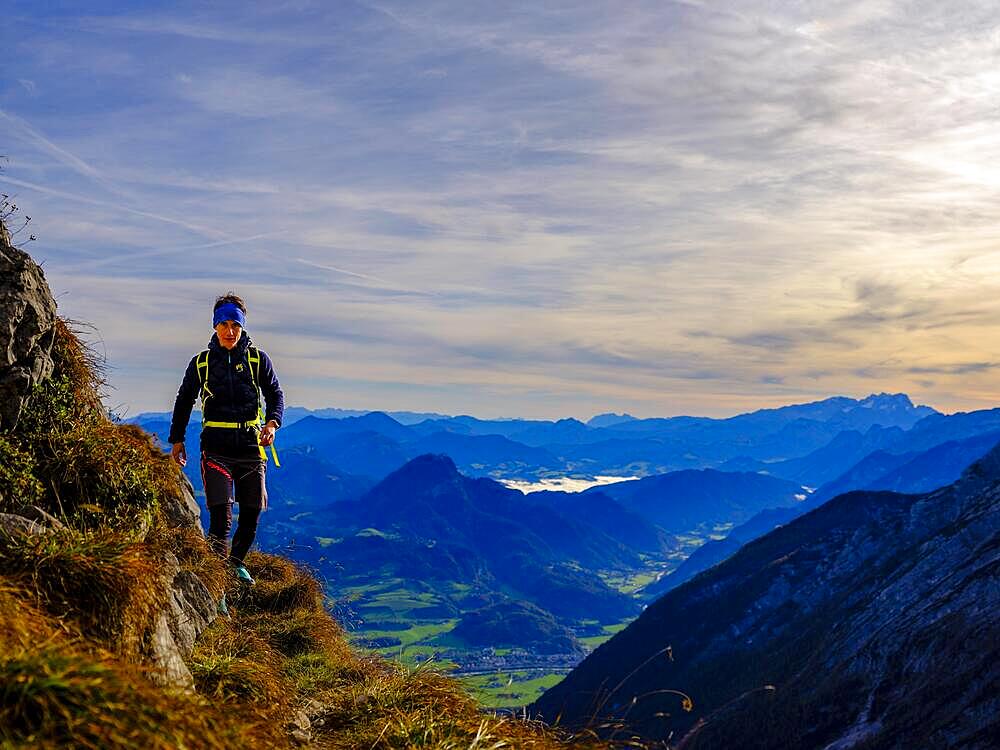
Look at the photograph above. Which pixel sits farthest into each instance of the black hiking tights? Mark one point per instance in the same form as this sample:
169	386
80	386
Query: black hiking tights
221	521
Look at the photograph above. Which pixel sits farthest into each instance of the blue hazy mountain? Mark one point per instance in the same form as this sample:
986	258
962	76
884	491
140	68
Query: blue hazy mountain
375	445
875	615
850	446
938	428
625	446
546	556
306	479
913	472
684	500
609	419
618	522
649	446
484	454
833	459
555	433
316	431
466	425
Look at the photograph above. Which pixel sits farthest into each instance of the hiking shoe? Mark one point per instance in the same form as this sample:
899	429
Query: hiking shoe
244	575
223	608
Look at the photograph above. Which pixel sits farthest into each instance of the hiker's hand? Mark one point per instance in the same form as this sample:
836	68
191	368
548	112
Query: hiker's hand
178	453
267	433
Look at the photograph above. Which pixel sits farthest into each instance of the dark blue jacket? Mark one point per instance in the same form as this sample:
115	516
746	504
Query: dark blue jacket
234	399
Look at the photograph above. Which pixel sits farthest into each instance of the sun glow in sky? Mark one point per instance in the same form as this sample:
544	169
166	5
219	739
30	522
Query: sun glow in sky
539	209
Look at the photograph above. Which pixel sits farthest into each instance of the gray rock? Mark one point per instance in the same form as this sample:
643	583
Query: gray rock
171	671
182	510
27	330
300	727
190	609
35	513
13	525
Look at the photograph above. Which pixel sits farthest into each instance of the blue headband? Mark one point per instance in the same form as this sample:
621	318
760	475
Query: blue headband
229	311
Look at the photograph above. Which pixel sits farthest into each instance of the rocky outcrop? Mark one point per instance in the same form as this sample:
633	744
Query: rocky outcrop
182	510
190	609
16	525
27	330
872	622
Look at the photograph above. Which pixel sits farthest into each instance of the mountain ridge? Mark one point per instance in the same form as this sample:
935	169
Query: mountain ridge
873	564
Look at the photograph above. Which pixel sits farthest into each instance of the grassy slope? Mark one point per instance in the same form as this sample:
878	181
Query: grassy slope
77	605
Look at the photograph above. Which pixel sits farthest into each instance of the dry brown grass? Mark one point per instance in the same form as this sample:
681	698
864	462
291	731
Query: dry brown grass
103	584
59	689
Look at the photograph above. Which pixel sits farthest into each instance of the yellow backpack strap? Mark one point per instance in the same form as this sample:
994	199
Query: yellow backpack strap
202	364
253	357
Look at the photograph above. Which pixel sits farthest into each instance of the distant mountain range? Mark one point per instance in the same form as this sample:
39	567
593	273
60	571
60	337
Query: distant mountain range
777	441
872	621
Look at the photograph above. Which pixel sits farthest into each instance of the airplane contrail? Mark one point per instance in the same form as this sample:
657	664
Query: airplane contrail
367	277
153	252
26	132
207	231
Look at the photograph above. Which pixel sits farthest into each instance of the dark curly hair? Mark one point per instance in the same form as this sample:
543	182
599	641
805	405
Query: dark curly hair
230	297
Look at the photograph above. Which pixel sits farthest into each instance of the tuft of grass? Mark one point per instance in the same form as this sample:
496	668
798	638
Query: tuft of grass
298	632
396	708
60	690
22	623
281	586
233	663
99	580
19	484
57	696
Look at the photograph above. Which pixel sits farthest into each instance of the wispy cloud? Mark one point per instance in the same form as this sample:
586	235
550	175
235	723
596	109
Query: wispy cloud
647	206
21	130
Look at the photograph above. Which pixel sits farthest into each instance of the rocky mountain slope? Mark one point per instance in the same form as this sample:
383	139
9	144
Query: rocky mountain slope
914	472
870	622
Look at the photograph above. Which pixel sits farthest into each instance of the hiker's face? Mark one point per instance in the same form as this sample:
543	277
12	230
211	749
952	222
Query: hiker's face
229	333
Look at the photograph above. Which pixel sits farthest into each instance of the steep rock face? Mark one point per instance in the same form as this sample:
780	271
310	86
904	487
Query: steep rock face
27	329
872	622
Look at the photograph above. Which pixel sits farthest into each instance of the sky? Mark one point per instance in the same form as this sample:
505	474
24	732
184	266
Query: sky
539	209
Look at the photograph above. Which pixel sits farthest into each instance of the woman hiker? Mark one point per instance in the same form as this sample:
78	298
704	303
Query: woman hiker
230	376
